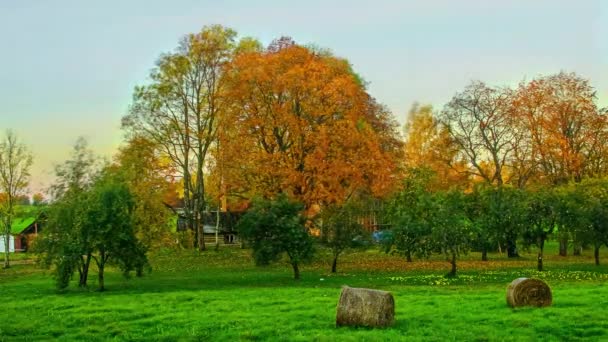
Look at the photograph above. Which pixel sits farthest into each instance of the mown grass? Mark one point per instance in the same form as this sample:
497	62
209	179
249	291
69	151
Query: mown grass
222	296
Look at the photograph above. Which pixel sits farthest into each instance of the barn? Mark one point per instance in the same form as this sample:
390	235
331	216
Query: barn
23	232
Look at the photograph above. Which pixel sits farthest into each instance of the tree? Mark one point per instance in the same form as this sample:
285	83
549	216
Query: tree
566	129
109	215
301	123
274	227
479	122
541	219
179	110
341	229
497	215
590	204
451	229
65	241
15	163
148	176
94	224
429	145
38	199
410	212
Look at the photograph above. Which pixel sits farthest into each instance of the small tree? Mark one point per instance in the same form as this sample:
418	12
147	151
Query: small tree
112	234
15	162
541	219
590	202
451	229
274	227
341	230
409	212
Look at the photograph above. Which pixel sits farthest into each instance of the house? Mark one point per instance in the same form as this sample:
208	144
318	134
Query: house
23	232
227	234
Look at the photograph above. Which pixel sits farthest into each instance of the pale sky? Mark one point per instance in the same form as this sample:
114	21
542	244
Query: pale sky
68	68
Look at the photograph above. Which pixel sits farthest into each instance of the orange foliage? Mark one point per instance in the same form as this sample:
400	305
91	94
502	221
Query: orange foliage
301	123
566	129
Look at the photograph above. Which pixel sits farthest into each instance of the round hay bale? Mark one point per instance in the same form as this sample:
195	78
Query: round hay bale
365	307
528	292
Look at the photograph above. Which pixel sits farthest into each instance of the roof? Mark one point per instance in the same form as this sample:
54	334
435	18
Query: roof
20	224
26	215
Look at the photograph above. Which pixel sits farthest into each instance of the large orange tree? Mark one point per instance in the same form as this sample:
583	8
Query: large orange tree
301	123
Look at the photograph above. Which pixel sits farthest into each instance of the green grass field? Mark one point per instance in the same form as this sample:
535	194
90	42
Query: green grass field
222	296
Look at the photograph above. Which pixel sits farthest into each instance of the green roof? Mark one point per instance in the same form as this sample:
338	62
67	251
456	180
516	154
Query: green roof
25	216
20	223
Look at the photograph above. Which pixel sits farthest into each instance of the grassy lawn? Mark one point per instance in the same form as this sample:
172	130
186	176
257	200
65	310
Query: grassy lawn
222	296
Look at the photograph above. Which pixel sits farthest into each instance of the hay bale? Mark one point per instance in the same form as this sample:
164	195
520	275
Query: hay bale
528	292
365	307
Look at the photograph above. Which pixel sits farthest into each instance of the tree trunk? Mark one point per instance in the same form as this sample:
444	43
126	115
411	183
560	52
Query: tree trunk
596	254
296	271
217	228
563	247
334	264
512	248
577	248
408	256
540	256
484	254
101	281
7	241
84	275
453	262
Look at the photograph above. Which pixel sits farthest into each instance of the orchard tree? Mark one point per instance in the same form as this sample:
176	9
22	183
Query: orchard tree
591	201
341	229
541	219
301	123
410	212
277	227
15	163
451	229
497	217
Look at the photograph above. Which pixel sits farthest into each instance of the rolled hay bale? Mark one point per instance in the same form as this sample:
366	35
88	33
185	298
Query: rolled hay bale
365	307
528	292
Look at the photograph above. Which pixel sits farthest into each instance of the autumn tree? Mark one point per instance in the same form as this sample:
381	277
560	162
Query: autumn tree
428	144
142	168
179	109
301	123
567	131
15	163
479	122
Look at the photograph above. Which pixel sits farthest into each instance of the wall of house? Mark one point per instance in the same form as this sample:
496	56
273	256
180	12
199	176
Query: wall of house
11	244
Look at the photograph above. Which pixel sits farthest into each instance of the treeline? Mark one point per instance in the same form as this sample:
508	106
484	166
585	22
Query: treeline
453	222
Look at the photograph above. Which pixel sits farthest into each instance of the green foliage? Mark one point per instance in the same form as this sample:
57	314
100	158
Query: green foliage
274	227
410	213
341	229
451	229
497	214
91	220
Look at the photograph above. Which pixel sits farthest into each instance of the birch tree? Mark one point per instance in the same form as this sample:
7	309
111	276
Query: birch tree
15	162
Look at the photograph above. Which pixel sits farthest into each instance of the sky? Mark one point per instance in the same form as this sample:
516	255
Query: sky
68	68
